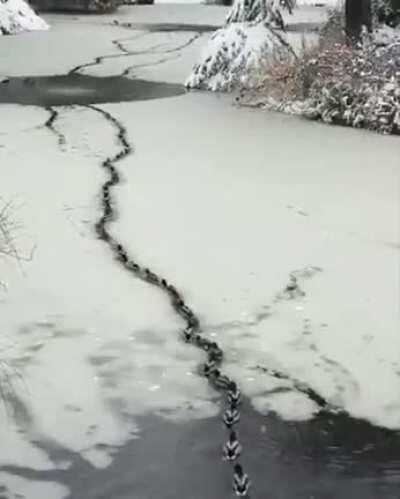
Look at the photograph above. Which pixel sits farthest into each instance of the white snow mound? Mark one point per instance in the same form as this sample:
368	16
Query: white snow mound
231	55
17	16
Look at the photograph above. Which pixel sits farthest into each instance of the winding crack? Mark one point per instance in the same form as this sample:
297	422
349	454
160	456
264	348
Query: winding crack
50	125
301	387
192	331
130	53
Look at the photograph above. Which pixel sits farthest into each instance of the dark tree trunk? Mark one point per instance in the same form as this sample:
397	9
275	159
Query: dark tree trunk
395	5
358	14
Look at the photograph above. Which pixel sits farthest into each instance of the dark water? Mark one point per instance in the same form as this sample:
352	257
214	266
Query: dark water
168	27
79	89
331	457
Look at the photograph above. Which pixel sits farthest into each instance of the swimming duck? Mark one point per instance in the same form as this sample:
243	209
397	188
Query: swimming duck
220	380
215	352
133	266
209	368
193	321
122	254
123	257
231	417
186	311
172	290
187	334
241	481
232	448
178	302
102	233
150	276
233	395
292	286
198	339
208	345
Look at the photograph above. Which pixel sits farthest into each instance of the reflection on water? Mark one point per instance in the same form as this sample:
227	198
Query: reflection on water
332	457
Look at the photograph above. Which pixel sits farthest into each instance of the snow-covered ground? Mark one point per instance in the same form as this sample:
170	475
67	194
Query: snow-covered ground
224	202
17	16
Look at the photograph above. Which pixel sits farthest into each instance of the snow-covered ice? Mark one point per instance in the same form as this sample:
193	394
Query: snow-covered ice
224	202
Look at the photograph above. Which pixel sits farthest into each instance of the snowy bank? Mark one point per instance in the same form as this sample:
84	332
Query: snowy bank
335	83
17	16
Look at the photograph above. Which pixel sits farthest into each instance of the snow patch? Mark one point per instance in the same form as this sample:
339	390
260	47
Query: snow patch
17	16
21	487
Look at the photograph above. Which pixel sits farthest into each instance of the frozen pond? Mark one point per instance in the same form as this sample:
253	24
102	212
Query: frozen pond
229	205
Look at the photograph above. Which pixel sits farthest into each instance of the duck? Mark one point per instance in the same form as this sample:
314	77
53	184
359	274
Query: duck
122	254
133	266
151	276
232	448
292	286
209	368
198	339
212	357
187	334
209	345
123	257
231	417
234	395
185	310
102	233
172	290
241	481
220	380
178	302
215	353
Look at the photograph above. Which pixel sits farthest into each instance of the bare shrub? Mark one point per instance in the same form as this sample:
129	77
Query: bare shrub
8	229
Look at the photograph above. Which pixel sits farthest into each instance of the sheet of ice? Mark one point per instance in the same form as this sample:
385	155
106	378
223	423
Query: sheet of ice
17	16
246	199
92	347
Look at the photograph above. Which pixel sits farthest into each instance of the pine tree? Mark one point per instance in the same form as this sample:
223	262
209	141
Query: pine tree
259	11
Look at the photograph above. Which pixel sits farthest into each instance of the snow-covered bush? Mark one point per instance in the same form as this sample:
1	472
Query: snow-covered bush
363	89
17	16
259	11
232	54
249	36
